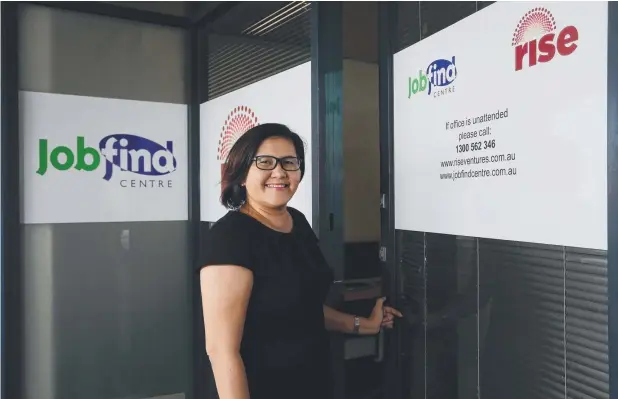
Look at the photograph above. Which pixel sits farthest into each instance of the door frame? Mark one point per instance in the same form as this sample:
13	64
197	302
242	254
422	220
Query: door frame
327	150
387	19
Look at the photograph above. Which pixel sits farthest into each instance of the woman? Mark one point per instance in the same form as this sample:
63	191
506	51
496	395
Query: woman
264	280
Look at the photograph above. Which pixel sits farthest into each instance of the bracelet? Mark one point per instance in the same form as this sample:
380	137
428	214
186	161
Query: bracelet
356	325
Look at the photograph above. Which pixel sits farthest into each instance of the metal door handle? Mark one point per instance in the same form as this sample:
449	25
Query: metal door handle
380	347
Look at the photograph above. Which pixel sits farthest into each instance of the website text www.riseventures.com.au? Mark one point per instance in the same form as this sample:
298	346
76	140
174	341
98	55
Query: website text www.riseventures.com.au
467	168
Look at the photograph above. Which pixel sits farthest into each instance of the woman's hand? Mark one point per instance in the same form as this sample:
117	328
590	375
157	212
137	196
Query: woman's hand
382	316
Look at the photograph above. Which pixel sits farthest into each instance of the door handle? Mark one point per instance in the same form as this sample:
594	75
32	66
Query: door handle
380	347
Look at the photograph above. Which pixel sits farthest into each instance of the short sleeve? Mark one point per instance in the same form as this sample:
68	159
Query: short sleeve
304	227
225	244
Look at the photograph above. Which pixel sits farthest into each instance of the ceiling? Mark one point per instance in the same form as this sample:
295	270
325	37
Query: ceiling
175	8
360	31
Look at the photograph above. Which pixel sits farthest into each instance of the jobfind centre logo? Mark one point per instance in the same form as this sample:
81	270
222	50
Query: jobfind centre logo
139	162
438	79
536	39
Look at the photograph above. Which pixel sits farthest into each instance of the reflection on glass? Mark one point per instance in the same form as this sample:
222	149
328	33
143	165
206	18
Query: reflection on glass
437	16
411	261
523	349
586	319
495	315
452	293
440	298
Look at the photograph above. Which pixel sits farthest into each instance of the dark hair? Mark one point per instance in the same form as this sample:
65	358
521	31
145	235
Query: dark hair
241	156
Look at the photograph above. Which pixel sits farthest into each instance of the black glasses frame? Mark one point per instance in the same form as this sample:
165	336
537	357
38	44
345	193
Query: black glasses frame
278	161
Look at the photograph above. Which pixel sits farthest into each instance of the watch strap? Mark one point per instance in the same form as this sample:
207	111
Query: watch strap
356	325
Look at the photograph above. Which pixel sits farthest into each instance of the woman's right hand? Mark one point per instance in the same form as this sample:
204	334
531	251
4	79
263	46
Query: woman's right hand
382	316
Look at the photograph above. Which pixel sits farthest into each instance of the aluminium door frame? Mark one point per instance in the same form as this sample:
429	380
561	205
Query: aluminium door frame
612	195
387	18
327	153
12	322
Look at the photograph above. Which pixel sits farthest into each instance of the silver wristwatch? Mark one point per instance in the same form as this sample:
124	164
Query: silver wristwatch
356	325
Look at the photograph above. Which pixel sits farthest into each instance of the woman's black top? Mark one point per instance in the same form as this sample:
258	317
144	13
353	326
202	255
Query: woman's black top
285	346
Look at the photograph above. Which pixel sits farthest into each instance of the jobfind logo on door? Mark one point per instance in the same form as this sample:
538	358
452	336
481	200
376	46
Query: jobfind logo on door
132	161
438	79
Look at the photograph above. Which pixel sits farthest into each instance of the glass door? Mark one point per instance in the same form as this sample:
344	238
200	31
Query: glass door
504	294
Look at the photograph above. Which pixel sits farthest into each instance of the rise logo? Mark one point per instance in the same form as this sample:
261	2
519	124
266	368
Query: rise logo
238	121
535	39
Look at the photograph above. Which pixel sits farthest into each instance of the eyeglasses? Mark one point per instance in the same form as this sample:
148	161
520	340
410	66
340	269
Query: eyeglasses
267	162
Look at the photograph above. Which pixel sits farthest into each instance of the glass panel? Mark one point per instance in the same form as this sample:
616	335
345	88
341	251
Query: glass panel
70	53
360	31
541	326
235	66
411	248
250	43
253	41
437	16
586	318
408	24
523	350
361	170
451	300
106	309
360	192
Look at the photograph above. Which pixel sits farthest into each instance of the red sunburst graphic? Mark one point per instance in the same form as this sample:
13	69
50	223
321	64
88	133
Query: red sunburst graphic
535	23
241	119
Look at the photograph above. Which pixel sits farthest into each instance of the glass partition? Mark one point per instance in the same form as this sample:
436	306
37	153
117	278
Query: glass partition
103	122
